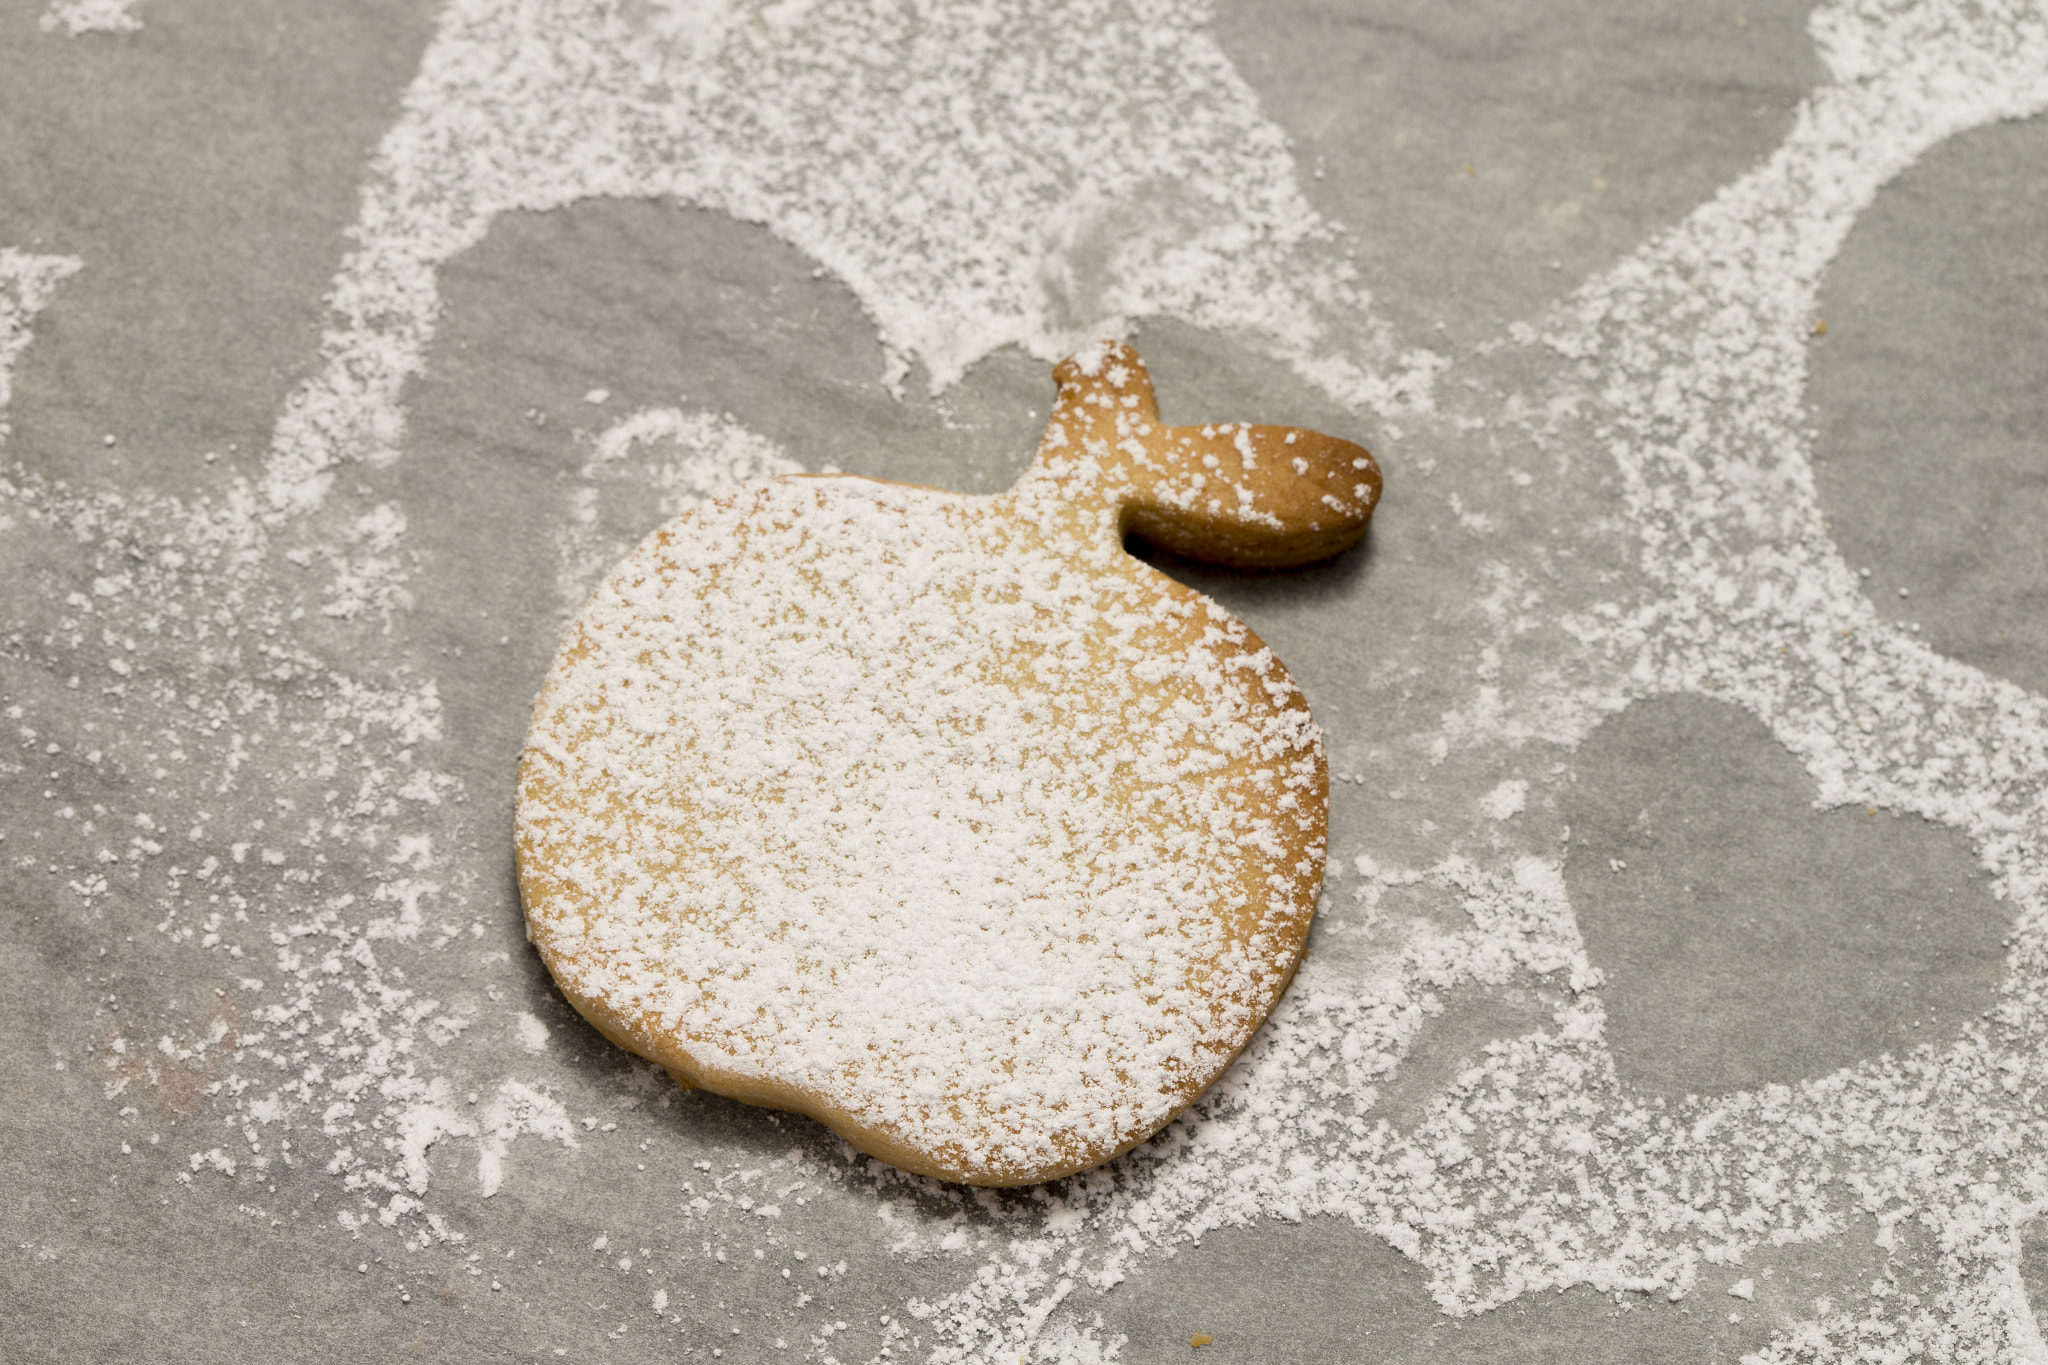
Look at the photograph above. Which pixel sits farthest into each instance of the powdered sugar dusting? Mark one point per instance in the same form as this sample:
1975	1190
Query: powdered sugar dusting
318	1033
679	458
993	213
26	283
90	16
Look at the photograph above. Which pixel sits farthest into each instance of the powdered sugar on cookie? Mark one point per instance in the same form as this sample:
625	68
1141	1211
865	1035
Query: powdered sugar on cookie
940	818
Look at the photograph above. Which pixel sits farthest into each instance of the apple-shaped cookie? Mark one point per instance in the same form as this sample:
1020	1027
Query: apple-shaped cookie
942	819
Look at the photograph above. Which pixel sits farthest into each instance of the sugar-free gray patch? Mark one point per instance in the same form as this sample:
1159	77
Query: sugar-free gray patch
1748	938
1344	1295
1485	159
2034	1265
1930	389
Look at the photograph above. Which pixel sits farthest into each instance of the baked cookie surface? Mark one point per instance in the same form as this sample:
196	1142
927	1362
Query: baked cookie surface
942	819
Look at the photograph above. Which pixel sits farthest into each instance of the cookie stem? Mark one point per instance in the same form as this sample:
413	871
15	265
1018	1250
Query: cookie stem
1230	493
